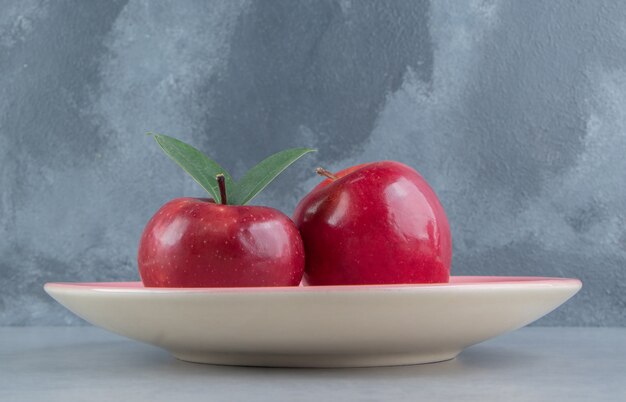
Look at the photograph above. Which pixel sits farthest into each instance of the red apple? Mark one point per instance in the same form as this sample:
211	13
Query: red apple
377	223
193	242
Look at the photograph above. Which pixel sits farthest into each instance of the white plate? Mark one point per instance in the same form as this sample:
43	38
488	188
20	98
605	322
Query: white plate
321	326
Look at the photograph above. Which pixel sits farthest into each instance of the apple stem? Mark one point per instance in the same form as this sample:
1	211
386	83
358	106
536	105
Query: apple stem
221	182
323	172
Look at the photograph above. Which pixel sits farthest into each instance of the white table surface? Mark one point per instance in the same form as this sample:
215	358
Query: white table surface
531	364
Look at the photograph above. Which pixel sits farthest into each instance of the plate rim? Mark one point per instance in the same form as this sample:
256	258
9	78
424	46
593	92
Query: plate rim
462	281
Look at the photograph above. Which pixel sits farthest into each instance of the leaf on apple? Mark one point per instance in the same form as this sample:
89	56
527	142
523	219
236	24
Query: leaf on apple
198	165
257	178
204	170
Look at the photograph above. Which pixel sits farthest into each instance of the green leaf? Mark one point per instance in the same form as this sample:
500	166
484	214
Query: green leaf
198	165
257	178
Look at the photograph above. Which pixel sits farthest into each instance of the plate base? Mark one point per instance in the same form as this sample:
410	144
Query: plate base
315	361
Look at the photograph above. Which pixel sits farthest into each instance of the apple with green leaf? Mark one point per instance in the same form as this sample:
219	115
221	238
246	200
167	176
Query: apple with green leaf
221	241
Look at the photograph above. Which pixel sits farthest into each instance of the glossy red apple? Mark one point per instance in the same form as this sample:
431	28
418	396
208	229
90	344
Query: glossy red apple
193	242
377	223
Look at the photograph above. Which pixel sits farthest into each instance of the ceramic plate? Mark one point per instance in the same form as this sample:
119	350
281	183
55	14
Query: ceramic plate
321	326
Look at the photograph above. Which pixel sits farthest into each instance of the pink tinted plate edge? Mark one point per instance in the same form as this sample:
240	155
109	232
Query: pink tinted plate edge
455	281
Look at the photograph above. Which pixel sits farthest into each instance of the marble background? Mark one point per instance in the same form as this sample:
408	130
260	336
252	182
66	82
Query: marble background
514	111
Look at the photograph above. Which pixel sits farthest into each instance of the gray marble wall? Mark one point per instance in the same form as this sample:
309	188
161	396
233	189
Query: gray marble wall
515	111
